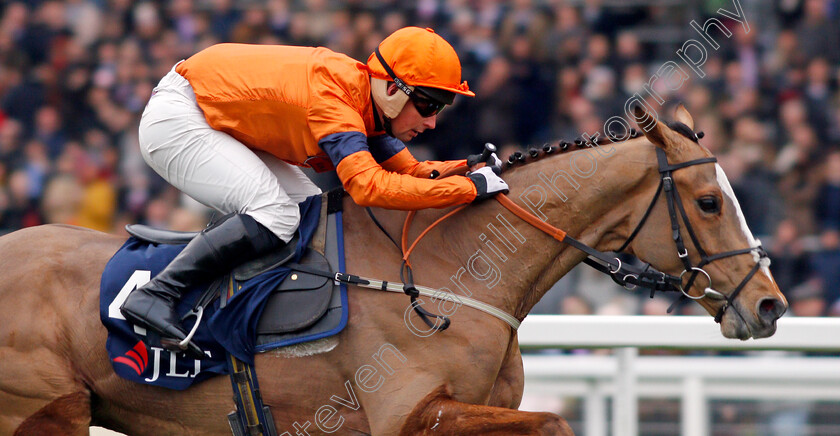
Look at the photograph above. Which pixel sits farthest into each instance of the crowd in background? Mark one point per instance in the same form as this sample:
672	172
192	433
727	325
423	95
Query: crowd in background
75	76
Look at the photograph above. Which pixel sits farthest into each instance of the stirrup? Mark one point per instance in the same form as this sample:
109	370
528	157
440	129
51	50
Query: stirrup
186	345
198	313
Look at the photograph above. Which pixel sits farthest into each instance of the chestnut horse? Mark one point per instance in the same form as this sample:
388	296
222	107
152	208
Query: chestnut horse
385	374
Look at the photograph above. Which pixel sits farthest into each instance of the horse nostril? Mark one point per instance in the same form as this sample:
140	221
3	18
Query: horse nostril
770	309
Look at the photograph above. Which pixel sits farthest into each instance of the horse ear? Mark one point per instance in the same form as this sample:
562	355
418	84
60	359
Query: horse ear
651	127
681	114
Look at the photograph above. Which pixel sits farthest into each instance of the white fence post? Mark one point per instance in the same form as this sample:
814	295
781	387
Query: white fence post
625	406
595	410
694	408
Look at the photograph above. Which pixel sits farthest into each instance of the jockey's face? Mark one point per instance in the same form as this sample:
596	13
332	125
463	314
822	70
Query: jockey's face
409	123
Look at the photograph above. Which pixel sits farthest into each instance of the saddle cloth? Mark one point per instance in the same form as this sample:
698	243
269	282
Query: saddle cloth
270	305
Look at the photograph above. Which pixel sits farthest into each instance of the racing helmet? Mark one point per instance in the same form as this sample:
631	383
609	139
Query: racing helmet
416	60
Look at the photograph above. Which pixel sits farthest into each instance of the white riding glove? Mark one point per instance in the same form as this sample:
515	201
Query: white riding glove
487	183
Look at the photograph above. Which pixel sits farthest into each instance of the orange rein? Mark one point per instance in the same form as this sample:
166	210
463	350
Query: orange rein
407	224
457	171
526	216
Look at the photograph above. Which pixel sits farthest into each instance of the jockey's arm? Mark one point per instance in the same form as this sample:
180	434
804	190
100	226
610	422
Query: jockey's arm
406	187
405	163
393	155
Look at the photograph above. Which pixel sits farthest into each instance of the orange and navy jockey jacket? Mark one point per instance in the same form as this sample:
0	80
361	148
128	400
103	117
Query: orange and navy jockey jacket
313	107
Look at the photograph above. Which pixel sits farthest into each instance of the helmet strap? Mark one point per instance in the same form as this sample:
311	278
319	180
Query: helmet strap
384	123
400	84
387	122
397	81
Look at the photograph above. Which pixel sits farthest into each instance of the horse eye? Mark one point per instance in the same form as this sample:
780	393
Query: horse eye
709	204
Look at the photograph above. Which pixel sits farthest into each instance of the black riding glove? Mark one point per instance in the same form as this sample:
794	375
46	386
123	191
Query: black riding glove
493	161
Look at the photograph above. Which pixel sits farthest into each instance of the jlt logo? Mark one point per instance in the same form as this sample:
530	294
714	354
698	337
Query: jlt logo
173	365
137	358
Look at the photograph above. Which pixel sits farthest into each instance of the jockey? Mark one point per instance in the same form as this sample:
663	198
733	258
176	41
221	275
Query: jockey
231	125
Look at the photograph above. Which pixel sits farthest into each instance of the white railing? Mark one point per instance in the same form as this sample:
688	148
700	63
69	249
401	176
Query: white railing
625	376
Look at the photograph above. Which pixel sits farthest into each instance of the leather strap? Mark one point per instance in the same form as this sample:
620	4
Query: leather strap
251	414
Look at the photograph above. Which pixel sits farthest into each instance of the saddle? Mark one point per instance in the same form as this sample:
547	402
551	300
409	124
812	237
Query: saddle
303	307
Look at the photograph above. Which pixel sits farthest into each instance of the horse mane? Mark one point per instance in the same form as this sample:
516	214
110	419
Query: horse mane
534	154
518	158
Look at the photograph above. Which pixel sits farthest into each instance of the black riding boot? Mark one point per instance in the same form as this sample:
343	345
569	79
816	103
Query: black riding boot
215	251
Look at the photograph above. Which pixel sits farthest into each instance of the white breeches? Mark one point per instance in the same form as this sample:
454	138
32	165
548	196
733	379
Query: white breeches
214	168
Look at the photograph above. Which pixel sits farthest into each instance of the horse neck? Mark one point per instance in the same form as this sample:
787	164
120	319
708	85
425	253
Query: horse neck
490	254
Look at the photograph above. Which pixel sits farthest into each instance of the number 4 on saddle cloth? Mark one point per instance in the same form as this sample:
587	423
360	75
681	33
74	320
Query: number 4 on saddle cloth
272	304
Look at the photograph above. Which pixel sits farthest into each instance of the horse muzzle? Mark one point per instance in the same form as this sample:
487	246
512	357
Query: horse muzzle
768	310
758	323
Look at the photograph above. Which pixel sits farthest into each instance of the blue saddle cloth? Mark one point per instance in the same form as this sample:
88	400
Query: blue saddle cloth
232	329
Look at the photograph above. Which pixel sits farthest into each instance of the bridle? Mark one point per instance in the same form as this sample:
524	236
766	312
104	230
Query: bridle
672	196
630	276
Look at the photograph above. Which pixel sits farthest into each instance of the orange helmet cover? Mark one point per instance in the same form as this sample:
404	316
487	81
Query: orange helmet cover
420	57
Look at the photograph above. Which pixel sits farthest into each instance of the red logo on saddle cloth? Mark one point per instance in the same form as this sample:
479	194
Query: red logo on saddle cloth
139	358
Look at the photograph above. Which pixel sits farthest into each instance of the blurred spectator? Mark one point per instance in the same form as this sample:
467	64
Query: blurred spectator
11	135
789	260
20	210
61	201
628	51
748	171
531	82
828	195
807	299
223	19
818	95
817	32
565	40
25	93
496	100
49	130
37	166
98	204
825	264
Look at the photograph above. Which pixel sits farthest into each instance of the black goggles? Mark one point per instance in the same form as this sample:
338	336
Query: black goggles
425	106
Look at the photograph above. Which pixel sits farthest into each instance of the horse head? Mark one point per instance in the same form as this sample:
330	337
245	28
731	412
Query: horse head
698	233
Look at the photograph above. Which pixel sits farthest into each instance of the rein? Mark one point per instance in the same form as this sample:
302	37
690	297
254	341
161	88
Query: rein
628	276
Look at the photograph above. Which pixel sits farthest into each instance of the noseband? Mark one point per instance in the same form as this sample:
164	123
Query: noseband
672	196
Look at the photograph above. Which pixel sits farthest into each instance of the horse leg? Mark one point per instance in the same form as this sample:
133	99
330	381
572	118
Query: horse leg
438	413
68	415
507	389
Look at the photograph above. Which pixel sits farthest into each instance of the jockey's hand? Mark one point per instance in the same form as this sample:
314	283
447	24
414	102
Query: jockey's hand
474	161
487	183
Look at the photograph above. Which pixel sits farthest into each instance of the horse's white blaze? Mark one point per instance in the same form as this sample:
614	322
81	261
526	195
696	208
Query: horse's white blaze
723	181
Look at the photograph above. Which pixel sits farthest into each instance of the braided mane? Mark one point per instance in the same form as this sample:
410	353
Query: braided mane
534	154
